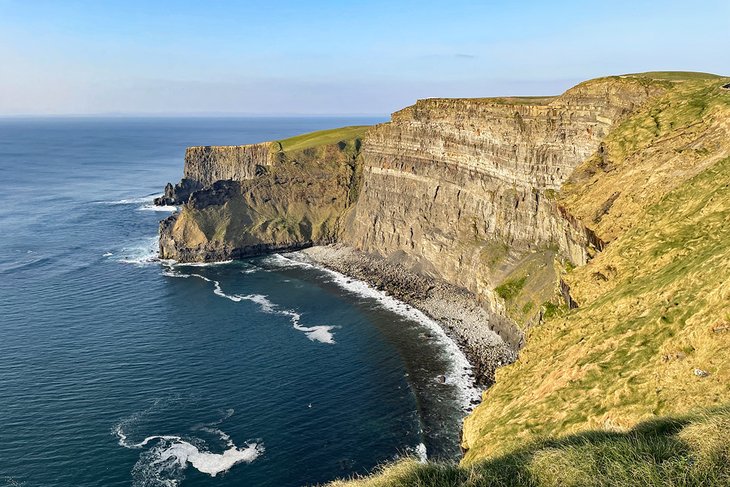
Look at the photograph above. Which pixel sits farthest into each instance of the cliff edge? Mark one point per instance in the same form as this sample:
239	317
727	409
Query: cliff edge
246	200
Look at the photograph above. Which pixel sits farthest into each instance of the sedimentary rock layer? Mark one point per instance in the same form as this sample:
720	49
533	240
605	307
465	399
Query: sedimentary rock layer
448	182
294	201
208	164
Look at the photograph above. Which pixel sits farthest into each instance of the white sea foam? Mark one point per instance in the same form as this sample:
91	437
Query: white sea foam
133	200
282	261
321	333
318	333
202	264
166	208
107	254
460	372
167	456
142	253
170	272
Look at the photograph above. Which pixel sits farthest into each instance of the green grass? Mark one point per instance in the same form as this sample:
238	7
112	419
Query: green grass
511	288
674	451
323	137
674	75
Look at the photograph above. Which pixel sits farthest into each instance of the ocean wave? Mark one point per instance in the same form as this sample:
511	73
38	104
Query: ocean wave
142	253
203	264
165	461
135	200
166	208
317	333
460	373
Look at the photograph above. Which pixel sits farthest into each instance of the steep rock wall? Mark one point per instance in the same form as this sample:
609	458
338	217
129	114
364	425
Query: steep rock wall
294	201
208	164
448	183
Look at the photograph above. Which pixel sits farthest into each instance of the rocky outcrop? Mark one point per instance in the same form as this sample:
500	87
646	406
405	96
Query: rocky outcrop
296	200
179	193
204	165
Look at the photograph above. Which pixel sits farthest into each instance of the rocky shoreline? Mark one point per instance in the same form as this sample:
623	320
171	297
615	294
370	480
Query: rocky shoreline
487	339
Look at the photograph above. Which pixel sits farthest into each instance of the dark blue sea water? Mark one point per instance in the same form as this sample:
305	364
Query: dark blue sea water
118	370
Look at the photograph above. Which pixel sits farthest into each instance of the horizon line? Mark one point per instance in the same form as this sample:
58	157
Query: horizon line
192	115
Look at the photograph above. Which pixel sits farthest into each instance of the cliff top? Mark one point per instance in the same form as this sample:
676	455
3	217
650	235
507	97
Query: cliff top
597	86
322	137
307	141
673	75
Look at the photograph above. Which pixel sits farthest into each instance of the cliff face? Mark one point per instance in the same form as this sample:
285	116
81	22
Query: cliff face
456	189
459	188
205	165
247	200
651	334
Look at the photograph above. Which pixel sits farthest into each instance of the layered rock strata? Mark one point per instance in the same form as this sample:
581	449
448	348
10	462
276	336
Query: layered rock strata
268	201
448	183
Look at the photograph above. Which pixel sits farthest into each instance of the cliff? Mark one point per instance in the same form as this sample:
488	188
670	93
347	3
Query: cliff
600	394
456	188
282	195
650	336
591	229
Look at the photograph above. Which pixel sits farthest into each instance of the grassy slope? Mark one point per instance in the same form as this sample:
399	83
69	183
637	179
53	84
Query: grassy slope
322	137
655	311
675	75
676	451
651	302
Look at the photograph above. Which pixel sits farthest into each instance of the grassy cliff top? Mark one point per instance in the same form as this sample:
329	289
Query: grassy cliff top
501	100
674	75
650	77
323	137
309	140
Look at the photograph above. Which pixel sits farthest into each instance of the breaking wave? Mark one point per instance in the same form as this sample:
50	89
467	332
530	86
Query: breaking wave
163	208
141	253
317	333
460	372
166	457
133	200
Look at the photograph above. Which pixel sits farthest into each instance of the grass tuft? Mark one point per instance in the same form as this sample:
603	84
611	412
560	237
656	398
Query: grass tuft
509	289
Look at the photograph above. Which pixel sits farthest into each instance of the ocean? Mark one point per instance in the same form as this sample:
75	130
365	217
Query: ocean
117	369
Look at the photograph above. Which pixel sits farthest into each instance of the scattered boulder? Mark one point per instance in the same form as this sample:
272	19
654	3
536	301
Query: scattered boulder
701	373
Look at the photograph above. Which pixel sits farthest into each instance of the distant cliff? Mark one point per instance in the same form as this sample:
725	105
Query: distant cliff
247	200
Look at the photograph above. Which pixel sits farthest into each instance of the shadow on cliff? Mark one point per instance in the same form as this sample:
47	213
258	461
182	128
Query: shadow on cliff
679	451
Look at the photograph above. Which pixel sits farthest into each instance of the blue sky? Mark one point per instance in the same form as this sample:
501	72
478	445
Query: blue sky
328	57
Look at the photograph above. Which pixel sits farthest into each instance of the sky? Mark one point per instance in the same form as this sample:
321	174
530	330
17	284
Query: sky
219	57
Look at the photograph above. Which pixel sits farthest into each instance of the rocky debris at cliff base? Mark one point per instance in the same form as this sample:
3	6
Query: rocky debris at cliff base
476	330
